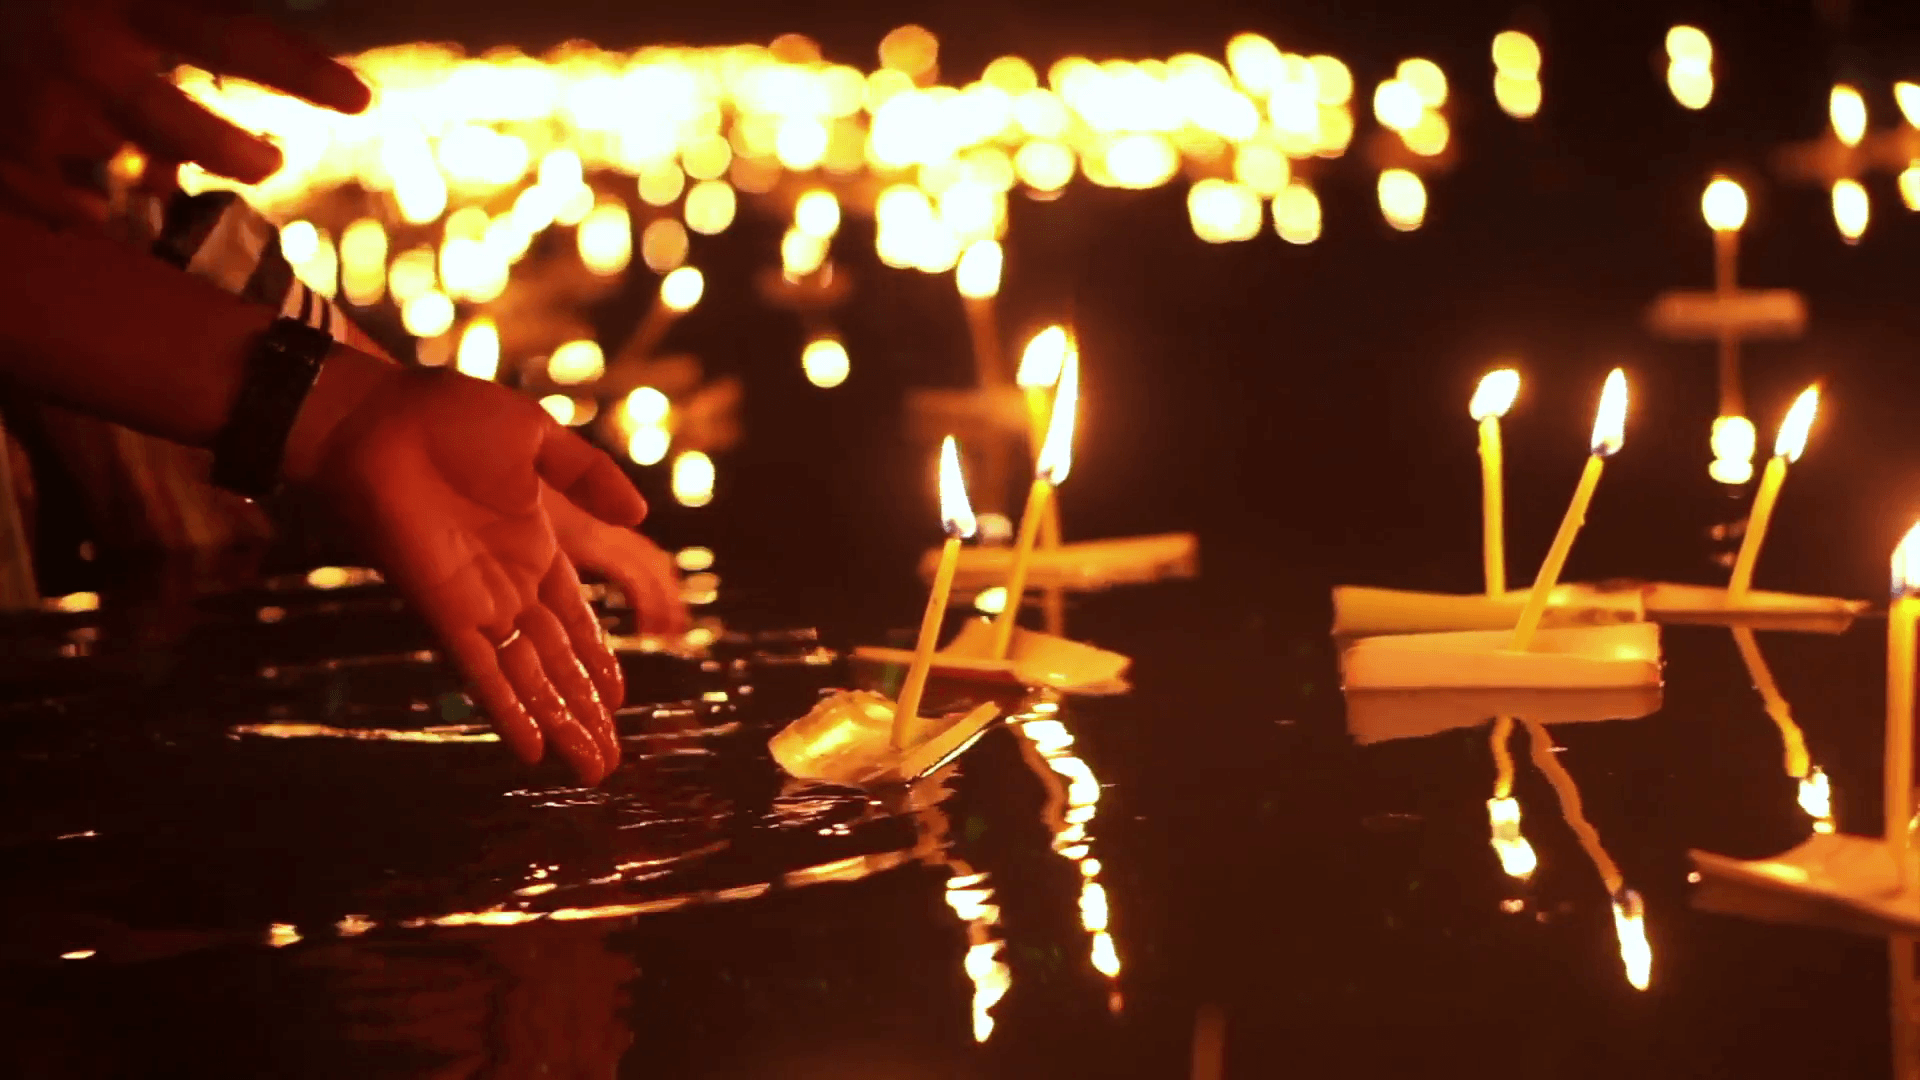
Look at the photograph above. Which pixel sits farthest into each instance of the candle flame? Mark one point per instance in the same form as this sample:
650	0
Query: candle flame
1495	394
1724	204
1907	96
1056	453
1792	440
978	274
1848	111
1906	563
1630	924
956	514
1850	209
1516	855
1045	358
681	289
1610	421
1816	798
1733	441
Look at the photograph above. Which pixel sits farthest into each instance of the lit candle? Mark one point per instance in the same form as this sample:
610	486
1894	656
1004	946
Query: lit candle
977	276
1609	432
1901	616
1787	447
680	290
1040	367
1724	204
1056	457
956	516
1490	402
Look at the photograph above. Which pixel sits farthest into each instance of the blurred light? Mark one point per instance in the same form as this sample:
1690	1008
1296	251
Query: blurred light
1692	89
1141	160
648	444
1426	78
817	213
428	314
576	362
422	196
1333	83
1403	199
802	144
1907	96
1690	67
1043	164
1848	112
299	241
1044	358
363	261
574	205
801	253
1011	74
693	478
825	362
1261	167
991	601
647	407
1724	205
662	183
694	559
1516	55
1850	209
1910	186
1256	63
606	239
1223	211
1041	114
468	221
479	354
978	273
560	407
663	244
560	170
1428	137
706	158
1296	214
911	50
710	207
1733	442
1689	45
1518	98
1396	105
680	290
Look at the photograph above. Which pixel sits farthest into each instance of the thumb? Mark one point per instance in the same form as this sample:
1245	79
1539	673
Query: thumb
588	478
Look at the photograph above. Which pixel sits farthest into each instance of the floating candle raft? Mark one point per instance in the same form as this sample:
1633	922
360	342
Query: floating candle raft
1579	658
1359	611
848	738
1033	659
1376	716
1831	879
1085	566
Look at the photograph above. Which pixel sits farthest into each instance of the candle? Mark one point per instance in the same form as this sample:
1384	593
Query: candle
1490	402
1056	457
1724	204
680	290
1040	367
1787	447
1609	432
1901	616
977	276
956	516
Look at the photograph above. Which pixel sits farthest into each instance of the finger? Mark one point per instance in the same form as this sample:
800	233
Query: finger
254	49
474	655
589	478
521	663
107	59
665	611
560	592
569	676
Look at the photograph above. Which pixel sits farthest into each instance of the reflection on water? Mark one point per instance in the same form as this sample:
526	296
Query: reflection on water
1073	794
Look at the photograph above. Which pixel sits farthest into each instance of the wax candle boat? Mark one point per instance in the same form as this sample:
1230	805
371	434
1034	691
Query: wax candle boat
1585	658
1084	566
1359	611
1033	659
1830	879
1375	716
1748	313
847	739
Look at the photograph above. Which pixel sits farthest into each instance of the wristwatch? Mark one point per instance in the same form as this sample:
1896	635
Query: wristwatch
280	372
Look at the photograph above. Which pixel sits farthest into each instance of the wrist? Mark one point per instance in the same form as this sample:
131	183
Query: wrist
347	380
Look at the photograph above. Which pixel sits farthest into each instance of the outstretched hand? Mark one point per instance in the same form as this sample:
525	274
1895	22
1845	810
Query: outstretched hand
441	476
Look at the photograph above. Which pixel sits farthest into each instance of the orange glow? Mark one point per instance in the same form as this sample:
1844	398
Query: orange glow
1906	564
1296	214
1403	199
1630	925
664	244
1816	798
1396	105
479	353
1610	420
1850	209
978	274
817	213
693	477
647	407
825	362
1495	394
1724	205
428	315
576	362
1907	96
1427	80
1516	55
1792	440
681	289
1056	453
1223	211
1733	443
1518	98
1516	854
1847	111
1910	186
956	513
710	207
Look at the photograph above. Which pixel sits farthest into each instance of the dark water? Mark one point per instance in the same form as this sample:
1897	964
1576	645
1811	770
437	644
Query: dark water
264	895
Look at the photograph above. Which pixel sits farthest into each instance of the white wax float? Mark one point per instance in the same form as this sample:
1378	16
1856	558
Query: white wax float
1831	879
1375	716
1359	611
1748	313
1581	658
1033	659
1083	566
847	739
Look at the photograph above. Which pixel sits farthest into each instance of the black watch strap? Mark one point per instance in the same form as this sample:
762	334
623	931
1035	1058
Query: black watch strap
280	371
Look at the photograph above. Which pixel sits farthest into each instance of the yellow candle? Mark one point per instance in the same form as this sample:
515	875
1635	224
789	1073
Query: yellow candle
957	517
1609	431
1787	447
1040	367
1055	459
1901	616
1491	400
1724	204
978	278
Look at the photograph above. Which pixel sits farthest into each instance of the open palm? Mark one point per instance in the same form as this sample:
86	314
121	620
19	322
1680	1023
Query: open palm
440	476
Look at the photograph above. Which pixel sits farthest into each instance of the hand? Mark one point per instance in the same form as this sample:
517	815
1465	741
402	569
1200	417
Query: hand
82	77
441	475
643	571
